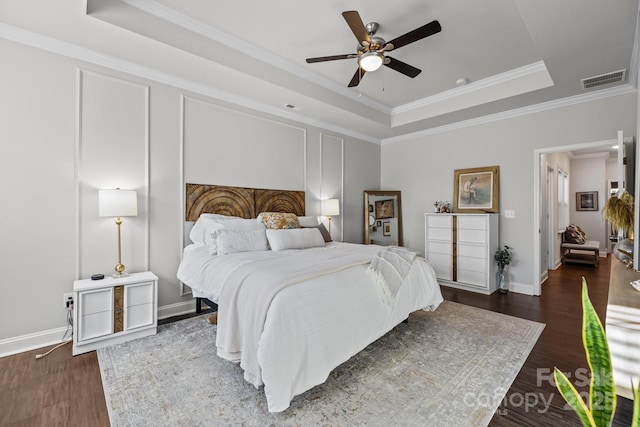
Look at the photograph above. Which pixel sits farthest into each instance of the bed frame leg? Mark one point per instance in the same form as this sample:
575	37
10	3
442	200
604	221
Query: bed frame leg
198	305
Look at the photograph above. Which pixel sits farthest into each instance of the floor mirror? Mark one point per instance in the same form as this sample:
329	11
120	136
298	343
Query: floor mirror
382	218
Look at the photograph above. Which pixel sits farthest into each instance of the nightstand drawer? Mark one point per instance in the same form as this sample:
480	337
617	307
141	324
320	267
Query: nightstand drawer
138	316
96	301
95	325
140	293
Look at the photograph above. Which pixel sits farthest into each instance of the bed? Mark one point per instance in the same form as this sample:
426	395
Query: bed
292	312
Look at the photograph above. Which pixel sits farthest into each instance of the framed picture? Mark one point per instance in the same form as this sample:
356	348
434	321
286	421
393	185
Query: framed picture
379	223
587	201
386	228
476	190
384	209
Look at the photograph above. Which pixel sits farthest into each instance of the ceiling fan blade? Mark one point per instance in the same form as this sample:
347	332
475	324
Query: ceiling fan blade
402	67
330	58
426	30
355	23
355	81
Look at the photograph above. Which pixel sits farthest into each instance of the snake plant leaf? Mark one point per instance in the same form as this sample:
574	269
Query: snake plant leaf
602	400
571	395
635	421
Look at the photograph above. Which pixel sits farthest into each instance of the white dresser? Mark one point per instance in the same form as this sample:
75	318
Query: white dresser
112	311
460	249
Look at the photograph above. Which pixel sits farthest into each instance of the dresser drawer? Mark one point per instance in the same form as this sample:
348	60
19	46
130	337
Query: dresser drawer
443	234
442	272
473	251
439	221
472	264
472	222
472	236
472	278
439	248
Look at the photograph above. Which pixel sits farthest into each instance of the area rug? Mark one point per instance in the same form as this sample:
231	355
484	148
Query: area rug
451	367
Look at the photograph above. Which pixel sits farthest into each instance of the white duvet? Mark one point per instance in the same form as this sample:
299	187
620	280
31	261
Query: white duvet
322	307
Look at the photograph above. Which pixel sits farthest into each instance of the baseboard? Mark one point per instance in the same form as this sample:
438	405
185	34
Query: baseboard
177	309
41	339
29	342
521	288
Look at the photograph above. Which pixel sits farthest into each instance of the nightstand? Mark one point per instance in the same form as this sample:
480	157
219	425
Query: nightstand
114	310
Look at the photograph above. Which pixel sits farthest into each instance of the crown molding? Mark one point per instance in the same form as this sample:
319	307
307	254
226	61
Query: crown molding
531	109
69	50
501	78
175	17
40	41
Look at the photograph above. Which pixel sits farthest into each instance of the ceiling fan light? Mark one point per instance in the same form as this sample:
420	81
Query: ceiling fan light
370	61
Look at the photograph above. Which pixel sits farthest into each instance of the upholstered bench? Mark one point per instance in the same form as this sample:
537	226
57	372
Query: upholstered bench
579	252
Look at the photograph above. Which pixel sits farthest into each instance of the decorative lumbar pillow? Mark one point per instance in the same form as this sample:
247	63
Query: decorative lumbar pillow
323	230
232	241
199	230
301	238
234	224
574	234
308	221
279	220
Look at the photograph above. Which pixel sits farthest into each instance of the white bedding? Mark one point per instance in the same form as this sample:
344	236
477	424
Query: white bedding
312	326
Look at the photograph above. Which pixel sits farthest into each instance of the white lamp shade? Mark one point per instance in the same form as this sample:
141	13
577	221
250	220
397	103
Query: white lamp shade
330	207
117	202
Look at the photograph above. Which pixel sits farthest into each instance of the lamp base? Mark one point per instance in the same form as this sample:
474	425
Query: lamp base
119	275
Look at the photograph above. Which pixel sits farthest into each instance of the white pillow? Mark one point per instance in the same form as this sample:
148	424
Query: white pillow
199	230
294	238
232	241
308	221
235	224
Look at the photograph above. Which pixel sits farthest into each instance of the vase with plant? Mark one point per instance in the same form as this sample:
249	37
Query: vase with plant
619	211
503	257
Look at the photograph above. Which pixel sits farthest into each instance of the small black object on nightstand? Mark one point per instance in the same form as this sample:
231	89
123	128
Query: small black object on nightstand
97	276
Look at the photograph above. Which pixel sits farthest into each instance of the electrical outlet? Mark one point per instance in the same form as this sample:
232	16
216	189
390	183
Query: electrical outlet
67	300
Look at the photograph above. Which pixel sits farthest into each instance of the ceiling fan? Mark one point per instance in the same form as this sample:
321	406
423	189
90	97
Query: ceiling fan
371	49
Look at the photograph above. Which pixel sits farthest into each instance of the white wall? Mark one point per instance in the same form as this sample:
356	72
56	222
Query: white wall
589	175
70	128
423	168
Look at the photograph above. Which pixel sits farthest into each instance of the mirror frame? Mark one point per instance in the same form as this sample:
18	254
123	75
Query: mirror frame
367	194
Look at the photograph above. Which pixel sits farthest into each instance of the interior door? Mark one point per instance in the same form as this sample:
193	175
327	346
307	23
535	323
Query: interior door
545	221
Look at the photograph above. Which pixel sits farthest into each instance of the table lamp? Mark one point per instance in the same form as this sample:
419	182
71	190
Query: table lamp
329	208
118	203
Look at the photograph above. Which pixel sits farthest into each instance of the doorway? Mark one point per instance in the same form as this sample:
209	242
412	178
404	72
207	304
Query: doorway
544	237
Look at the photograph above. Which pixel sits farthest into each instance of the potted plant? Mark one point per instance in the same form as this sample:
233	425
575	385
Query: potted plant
599	409
503	257
619	211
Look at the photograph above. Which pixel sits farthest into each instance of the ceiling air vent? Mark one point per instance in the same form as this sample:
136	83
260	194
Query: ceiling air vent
603	79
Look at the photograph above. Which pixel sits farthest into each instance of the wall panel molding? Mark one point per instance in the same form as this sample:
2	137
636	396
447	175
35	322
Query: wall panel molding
333	183
81	175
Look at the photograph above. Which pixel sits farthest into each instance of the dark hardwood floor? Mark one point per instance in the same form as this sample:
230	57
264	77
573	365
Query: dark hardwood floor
61	390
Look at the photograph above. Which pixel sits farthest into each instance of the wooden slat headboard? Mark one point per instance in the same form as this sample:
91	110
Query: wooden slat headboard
239	201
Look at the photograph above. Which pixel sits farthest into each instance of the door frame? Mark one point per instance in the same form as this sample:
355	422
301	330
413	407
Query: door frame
537	193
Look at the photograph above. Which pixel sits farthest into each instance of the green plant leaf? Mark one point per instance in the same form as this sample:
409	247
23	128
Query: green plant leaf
635	421
602	394
571	395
